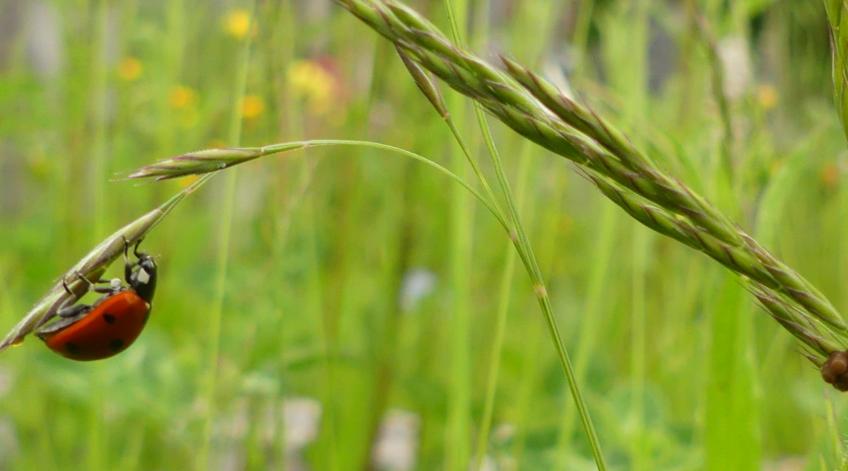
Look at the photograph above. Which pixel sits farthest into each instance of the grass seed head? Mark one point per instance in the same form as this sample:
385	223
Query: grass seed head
537	110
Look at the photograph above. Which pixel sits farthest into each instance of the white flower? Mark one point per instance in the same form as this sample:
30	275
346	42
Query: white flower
397	443
736	62
301	417
417	283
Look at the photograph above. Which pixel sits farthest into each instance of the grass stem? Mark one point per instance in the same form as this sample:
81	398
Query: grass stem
222	260
531	265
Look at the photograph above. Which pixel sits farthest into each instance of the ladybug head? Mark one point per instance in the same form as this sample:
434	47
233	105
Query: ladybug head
143	277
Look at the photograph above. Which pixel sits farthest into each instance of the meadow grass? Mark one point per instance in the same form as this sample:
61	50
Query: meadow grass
676	362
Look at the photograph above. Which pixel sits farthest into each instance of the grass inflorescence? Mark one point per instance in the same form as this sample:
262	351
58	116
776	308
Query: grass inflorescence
537	110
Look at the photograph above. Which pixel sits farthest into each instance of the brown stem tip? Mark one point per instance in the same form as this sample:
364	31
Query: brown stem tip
835	370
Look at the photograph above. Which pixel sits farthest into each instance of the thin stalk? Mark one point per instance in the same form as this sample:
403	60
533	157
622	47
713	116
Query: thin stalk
285	37
639	451
834	434
717	80
500	323
384	376
532	267
595	295
523	246
489	204
528	24
731	438
211	160
580	38
222	257
164	81
495	360
627	59
458	446
474	165
96	447
531	373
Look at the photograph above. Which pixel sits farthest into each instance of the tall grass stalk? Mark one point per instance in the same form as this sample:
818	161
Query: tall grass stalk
837	16
285	36
504	297
640	445
458	444
533	26
96	447
731	440
504	301
533	358
170	75
594	302
525	248
627	60
210	381
837	442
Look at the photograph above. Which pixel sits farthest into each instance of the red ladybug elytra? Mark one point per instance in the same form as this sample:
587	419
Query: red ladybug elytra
113	322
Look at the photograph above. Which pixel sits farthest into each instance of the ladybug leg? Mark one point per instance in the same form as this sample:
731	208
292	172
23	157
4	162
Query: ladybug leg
71	299
91	284
73	311
128	266
135	249
67	288
98	286
104	289
86	280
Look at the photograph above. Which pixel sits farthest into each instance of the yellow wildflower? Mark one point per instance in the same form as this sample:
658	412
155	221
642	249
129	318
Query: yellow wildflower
237	23
182	97
129	69
767	96
252	106
314	83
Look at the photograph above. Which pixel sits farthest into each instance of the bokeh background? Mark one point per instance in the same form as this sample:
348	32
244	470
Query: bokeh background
336	308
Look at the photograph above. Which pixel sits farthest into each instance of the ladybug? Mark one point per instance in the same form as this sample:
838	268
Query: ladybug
113	322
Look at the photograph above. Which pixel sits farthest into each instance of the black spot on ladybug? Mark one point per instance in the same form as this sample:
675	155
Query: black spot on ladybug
116	344
109	318
72	348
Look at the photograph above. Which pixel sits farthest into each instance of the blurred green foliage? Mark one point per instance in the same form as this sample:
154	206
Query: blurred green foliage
680	369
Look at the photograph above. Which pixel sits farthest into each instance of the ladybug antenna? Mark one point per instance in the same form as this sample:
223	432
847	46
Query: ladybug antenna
135	249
